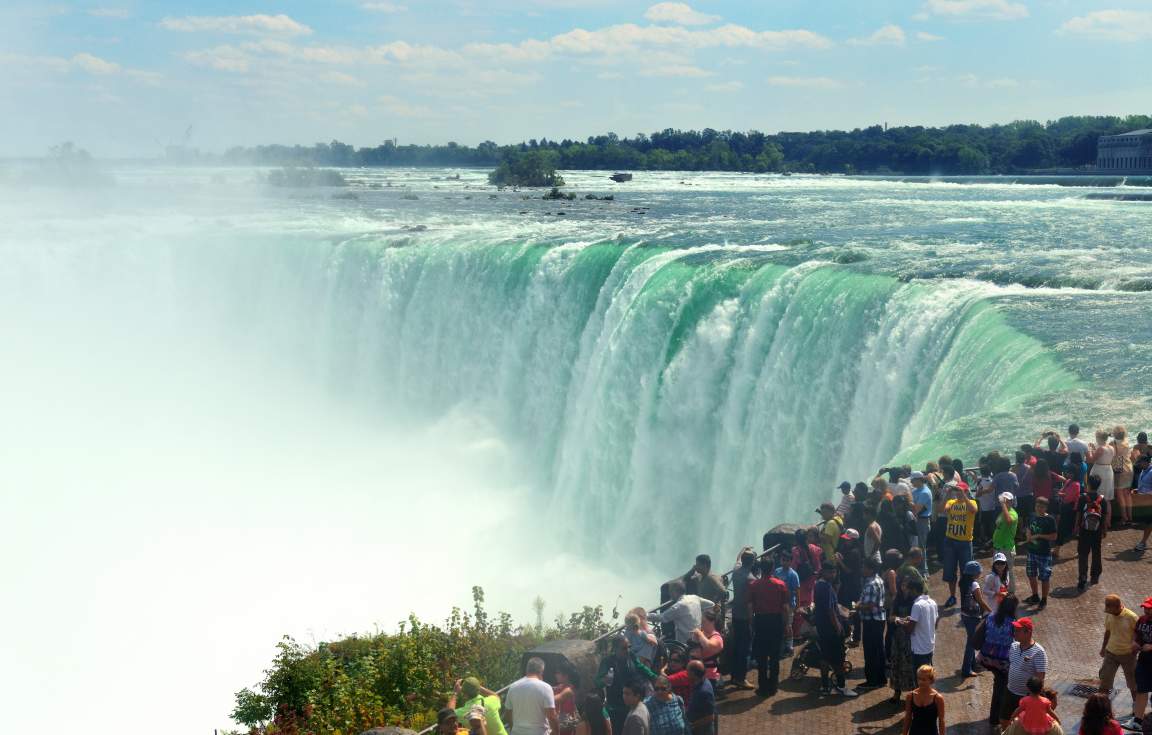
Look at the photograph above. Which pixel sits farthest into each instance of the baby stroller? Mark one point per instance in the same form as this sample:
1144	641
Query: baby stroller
809	655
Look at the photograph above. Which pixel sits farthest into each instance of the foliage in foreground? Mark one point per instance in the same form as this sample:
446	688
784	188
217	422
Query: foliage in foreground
347	686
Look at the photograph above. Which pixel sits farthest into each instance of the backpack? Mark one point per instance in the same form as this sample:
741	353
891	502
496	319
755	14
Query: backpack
1092	515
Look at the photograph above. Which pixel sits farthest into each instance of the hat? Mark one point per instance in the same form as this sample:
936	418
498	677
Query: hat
999	556
476	713
444	715
826	506
916	475
972	568
851	534
1006	497
985	482
845	486
1147	602
1023	623
470	687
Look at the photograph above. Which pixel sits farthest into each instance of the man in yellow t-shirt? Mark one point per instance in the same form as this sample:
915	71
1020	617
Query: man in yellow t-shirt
1119	631
960	523
830	534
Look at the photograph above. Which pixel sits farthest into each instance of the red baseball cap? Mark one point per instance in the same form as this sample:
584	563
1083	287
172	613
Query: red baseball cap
1147	602
1023	623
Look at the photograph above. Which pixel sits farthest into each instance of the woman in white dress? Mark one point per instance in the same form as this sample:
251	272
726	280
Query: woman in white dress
1100	455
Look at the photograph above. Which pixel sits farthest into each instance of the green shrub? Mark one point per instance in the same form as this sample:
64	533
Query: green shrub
534	168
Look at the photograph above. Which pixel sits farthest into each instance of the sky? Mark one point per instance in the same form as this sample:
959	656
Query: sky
124	77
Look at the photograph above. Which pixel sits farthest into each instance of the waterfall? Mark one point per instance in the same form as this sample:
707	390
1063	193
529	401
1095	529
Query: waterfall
703	393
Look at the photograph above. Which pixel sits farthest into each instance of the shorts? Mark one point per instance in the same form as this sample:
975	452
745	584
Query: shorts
1039	566
1144	675
1008	704
956	555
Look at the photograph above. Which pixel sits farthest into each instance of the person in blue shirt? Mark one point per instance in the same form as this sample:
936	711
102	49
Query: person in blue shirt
786	574
922	510
1142	502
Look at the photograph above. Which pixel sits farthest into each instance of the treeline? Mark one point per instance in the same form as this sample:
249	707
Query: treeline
1017	147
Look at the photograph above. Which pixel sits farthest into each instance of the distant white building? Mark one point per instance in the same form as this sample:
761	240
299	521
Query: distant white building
1125	152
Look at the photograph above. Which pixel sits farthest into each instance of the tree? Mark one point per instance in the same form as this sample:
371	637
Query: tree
535	168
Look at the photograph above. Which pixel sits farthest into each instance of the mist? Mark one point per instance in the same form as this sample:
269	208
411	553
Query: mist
179	493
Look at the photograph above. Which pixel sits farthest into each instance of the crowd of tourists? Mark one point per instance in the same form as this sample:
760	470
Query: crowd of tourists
859	577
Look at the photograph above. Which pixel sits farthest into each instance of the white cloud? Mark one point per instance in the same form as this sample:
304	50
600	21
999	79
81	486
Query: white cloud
84	63
1125	26
976	9
628	36
220	58
276	25
928	37
972	81
400	108
680	14
889	35
810	82
120	13
726	87
385	7
675	70
95	65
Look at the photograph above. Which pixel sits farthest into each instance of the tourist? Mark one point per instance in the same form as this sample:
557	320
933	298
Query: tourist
911	566
1052	449
806	560
468	694
1142	644
1142	504
893	529
922	510
447	723
701	581
848	559
1004	534
940	496
996	583
676	669
846	500
901	670
641	639
830	629
1026	659
685	614
791	580
872	616
706	644
995	636
1041	534
1069	497
855	517
921	623
638	721
1097	718
972	611
872	535
701	712
530	703
1074	444
1091	527
830	534
768	607
1004	480
1036	712
477	723
616	670
924	707
1118	649
893	560
741	631
1045	483
594	718
1026	492
564	694
665	709
1100	456
1122	468
961	519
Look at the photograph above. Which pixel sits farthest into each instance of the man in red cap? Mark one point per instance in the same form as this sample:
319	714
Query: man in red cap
1142	643
1027	659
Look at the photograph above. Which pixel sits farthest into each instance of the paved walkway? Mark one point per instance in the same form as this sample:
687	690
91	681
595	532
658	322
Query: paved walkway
1070	629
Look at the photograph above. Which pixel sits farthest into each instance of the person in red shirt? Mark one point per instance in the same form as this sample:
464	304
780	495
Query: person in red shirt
768	605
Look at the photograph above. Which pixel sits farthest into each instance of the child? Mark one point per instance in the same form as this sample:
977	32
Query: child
924	707
639	634
1035	710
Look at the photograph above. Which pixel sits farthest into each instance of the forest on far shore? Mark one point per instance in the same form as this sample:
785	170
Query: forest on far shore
1017	147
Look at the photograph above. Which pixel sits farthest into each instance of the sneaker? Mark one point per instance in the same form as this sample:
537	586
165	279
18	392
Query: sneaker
1032	600
1141	547
1082	585
741	685
1043	604
1095	581
846	692
950	602
1133	723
